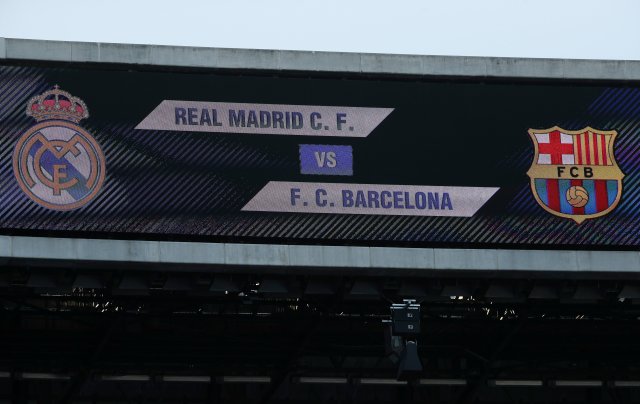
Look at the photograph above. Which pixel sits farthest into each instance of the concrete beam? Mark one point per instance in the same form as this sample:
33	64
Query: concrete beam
231	255
282	60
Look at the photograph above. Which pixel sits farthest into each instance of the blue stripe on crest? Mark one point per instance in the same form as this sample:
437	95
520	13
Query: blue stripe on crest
541	189
612	191
564	186
590	207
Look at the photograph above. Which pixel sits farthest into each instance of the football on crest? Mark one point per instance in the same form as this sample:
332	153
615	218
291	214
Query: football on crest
577	196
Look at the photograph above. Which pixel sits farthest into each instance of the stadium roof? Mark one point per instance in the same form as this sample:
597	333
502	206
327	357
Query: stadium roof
334	62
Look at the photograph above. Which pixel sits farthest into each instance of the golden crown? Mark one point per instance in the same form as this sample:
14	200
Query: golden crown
57	104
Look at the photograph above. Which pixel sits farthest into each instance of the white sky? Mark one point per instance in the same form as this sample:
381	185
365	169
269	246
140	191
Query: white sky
589	29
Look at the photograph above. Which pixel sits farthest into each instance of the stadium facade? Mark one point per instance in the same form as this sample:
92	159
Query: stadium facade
224	225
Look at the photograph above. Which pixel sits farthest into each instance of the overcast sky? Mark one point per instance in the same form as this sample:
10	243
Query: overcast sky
590	29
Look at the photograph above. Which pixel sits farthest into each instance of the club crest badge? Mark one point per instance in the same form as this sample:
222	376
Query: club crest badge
58	164
574	173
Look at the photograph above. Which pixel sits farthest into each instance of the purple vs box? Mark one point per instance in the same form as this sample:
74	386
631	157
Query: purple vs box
326	159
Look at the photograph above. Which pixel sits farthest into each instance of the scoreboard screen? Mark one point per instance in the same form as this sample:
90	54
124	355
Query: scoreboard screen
216	156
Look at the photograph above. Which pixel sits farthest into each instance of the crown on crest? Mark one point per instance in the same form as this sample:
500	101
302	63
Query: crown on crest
57	104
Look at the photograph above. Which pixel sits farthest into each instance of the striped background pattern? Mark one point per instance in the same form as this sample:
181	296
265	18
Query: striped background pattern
183	185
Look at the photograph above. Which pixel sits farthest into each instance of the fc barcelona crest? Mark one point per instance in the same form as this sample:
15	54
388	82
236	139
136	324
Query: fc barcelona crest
574	174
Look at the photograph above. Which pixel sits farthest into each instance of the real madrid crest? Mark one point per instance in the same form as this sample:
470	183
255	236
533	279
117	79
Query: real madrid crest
57	163
574	173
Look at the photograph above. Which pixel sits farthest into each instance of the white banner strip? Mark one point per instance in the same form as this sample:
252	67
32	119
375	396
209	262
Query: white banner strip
268	119
369	199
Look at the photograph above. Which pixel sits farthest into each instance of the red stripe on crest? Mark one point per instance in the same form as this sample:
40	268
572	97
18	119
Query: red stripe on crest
601	195
553	192
603	147
586	147
577	211
595	148
578	140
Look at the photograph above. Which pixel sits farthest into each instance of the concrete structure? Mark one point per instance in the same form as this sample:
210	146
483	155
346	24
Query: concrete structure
106	320
222	58
409	260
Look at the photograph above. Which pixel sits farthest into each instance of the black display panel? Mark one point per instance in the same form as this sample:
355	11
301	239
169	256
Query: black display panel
208	156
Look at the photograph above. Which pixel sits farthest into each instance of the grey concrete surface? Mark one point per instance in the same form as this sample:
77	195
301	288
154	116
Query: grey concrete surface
307	256
225	58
